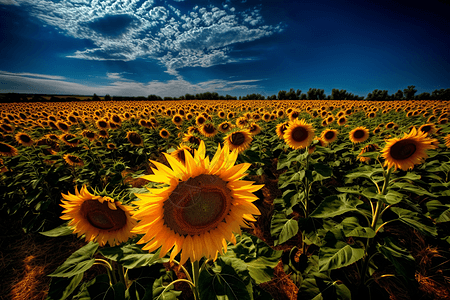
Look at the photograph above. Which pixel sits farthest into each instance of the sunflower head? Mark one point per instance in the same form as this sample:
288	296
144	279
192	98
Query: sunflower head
134	138
98	218
208	129
73	160
203	204
164	133
329	135
239	140
281	128
298	134
24	139
408	151
359	134
8	150
368	148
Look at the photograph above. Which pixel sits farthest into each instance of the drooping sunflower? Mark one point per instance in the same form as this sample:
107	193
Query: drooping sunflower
179	153
99	218
239	140
63	126
192	139
70	139
89	134
225	127
428	128
368	148
359	134
342	120
208	129
204	204
408	151
164	133
254	128
280	129
298	134
73	160
134	138
24	139
8	150
329	135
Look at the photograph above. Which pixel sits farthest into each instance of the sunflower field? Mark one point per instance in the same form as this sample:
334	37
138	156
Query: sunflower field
225	200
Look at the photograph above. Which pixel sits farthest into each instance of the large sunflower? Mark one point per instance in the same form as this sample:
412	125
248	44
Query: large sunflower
408	151
298	134
100	219
202	207
359	134
239	140
329	135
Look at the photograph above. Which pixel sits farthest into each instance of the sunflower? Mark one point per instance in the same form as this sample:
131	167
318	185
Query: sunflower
368	148
8	150
342	120
390	125
192	139
429	128
7	128
329	135
359	134
164	133
179	153
208	129
408	151
111	146
134	138
200	120
73	160
241	122
99	218
254	128
221	114
239	140
298	134
102	124
70	139
24	139
103	133
447	140
193	130
204	204
225	127
177	119
281	128
89	134
63	126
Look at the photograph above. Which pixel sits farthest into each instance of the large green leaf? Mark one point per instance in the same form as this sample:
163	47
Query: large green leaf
61	288
438	211
80	261
320	287
351	227
413	188
338	256
400	258
222	281
131	256
282	228
62	230
336	205
255	256
416	220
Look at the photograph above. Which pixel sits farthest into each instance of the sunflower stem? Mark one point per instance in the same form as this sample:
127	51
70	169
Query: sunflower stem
122	275
195	275
307	189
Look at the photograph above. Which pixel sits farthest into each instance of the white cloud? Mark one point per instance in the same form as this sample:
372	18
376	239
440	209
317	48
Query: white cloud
49	84
125	30
9	2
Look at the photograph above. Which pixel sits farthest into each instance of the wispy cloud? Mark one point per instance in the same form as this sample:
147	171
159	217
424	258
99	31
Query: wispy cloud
120	86
9	2
129	29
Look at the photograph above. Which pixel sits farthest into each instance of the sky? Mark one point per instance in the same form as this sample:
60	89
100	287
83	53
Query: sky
173	47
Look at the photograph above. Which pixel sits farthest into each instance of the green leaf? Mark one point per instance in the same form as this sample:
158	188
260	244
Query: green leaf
282	228
131	256
400	258
62	230
320	287
61	288
416	220
322	169
351	227
80	261
159	288
335	205
438	211
222	281
413	188
338	256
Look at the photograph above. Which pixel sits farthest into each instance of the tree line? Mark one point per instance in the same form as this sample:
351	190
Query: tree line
312	94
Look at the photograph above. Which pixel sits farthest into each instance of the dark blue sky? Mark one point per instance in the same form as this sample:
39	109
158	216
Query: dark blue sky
174	47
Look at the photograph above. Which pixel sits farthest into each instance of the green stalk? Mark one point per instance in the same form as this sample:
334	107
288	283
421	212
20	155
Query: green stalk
307	189
195	275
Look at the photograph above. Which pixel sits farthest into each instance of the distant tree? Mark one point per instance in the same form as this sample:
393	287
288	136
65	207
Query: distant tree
378	95
409	92
442	94
168	98
95	98
423	96
107	97
316	94
153	97
273	97
398	95
282	95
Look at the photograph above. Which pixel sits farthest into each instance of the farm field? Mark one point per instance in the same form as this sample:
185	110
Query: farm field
263	199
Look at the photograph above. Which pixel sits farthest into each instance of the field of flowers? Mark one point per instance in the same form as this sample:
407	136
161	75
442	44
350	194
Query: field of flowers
228	200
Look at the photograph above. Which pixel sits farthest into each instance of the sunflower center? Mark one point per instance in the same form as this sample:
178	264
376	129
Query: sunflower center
426	128
329	135
237	138
209	128
102	217
225	126
5	147
299	134
402	150
197	205
134	138
358	134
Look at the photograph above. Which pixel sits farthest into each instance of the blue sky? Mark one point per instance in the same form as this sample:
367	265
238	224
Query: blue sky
174	47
